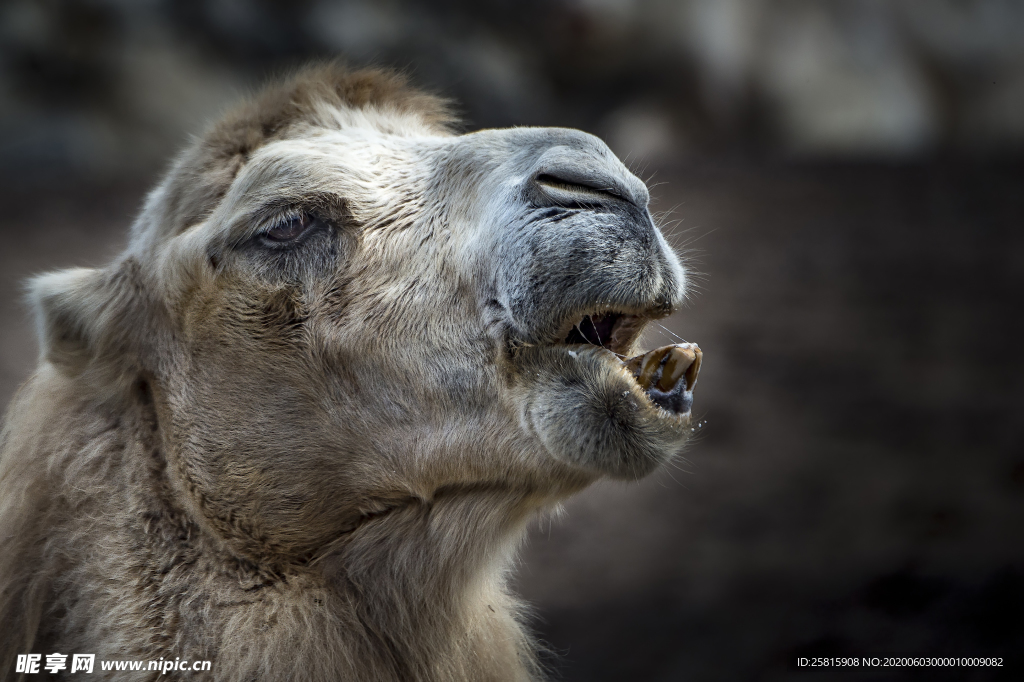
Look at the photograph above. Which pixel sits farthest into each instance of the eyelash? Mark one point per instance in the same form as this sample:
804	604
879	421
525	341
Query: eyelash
291	228
288	229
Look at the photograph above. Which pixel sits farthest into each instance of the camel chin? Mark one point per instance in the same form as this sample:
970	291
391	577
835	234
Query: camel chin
612	417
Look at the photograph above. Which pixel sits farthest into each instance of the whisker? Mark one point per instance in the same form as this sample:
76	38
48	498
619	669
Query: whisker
681	339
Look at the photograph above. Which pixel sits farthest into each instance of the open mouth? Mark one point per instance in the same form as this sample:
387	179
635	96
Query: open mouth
667	375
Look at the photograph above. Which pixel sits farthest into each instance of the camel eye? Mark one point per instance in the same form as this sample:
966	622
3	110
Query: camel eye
289	229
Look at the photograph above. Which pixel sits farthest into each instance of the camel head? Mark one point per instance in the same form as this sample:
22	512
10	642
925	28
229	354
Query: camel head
335	305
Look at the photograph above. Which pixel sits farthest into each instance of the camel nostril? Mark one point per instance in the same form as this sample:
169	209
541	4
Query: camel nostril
555	182
568	189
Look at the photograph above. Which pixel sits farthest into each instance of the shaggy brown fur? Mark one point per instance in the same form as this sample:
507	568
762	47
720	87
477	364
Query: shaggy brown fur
312	456
206	170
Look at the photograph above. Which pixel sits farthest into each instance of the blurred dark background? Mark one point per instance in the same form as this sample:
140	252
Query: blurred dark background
844	175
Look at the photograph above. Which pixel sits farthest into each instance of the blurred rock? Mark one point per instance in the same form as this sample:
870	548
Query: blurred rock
843	83
113	87
642	133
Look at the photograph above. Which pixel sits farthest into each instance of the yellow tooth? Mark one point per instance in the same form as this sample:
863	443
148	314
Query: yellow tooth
652	361
678	361
675	362
694	369
645	366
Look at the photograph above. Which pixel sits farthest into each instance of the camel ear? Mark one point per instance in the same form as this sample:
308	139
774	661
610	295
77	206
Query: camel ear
84	315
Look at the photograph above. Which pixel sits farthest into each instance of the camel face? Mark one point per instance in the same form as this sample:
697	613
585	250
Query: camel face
368	317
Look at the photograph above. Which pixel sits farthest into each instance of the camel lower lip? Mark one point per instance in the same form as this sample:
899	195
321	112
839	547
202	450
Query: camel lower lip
613	416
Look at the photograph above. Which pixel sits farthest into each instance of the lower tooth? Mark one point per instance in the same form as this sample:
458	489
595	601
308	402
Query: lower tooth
645	367
664	367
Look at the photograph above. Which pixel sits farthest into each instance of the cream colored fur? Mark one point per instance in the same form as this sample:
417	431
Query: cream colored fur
315	461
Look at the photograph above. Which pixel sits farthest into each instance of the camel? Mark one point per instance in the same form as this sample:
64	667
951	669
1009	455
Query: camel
299	427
